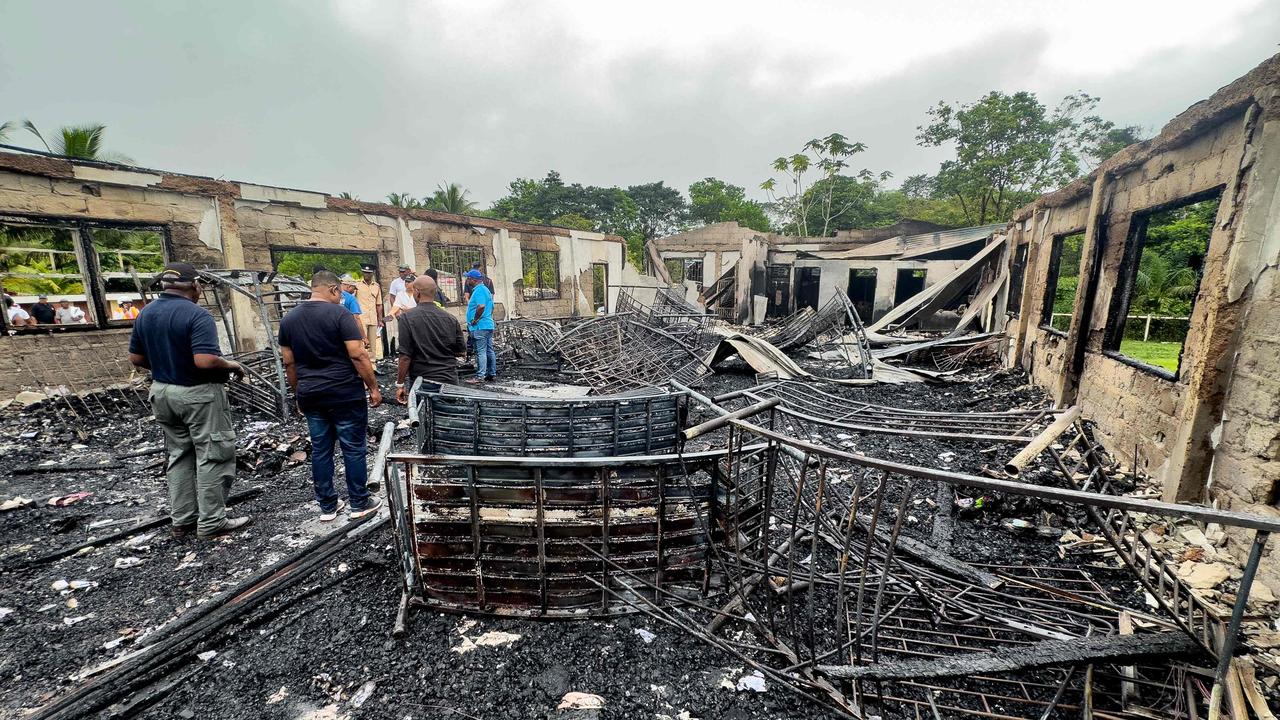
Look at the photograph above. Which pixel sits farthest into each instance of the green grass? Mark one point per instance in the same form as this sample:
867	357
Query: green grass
1159	354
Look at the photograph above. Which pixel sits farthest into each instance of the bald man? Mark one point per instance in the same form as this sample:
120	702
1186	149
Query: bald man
430	342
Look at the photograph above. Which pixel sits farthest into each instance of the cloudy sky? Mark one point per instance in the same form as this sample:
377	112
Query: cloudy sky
378	96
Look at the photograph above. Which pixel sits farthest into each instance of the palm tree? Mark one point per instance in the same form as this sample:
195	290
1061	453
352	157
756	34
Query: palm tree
451	198
1162	288
5	127
404	200
347	196
79	141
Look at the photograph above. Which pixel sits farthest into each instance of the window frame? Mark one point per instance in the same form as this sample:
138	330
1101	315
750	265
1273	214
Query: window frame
1127	281
542	292
454	249
1017	280
90	267
1053	273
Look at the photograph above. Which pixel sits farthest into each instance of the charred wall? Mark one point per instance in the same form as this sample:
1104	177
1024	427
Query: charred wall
1211	430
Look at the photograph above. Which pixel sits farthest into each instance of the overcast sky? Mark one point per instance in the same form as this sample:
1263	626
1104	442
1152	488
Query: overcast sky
378	96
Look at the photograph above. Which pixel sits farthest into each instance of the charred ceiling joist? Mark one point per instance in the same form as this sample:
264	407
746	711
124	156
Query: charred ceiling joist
461	421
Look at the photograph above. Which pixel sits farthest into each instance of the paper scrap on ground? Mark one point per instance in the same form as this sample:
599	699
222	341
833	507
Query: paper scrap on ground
580	701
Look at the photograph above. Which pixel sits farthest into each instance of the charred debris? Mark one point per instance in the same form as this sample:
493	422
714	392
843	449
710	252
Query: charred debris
822	523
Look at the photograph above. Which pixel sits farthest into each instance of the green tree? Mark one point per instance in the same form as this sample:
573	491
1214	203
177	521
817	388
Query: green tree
347	196
404	200
5	128
608	209
712	200
574	221
1162	287
1008	149
79	141
807	208
1110	140
450	198
660	210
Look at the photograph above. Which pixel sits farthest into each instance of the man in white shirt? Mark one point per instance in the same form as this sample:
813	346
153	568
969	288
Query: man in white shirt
17	316
68	314
398	285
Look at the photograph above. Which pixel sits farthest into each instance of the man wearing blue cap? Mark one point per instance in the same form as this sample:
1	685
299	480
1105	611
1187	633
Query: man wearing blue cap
480	325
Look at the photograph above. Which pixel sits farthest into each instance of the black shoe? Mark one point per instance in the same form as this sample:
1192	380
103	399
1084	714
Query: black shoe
490	378
182	532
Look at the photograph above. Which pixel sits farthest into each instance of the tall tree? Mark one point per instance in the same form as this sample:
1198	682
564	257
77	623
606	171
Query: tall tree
1008	148
1111	140
451	198
609	209
404	200
78	141
345	195
797	200
660	210
5	127
712	200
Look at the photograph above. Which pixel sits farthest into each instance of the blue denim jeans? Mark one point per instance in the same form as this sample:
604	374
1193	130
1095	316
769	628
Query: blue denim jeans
346	426
486	358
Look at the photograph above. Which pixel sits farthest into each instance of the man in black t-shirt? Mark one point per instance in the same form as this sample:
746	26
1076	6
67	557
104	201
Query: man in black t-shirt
177	341
42	311
329	369
430	342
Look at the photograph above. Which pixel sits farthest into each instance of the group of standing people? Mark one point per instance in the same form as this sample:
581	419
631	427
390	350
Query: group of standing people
329	345
42	313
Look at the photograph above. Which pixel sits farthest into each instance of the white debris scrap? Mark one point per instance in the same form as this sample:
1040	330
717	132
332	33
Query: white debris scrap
645	635
580	701
363	694
753	681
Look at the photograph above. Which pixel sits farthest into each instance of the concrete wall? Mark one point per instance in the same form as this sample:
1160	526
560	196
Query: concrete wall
1212	433
834	277
217	224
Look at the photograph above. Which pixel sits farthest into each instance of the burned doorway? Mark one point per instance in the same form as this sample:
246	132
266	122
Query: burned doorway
779	291
910	283
807	282
862	291
599	287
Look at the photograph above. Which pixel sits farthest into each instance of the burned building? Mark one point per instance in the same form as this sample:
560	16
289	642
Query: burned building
876	269
1202	414
94	234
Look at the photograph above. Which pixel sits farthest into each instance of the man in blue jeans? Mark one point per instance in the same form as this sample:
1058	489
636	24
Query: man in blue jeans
480	325
329	370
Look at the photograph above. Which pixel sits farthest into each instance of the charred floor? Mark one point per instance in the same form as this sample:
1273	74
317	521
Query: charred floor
836	546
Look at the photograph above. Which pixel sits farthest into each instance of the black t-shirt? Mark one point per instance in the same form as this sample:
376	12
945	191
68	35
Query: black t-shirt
431	338
43	313
317	333
170	331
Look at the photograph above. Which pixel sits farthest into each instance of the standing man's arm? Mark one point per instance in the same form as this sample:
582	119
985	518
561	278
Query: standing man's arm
406	350
459	344
378	304
137	355
351	334
205	352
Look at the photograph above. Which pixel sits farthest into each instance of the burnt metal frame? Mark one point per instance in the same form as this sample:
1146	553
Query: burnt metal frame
272	295
617	352
832	324
456	421
482	484
807	402
527	342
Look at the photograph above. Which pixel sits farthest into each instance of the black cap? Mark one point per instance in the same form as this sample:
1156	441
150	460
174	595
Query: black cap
367	267
178	272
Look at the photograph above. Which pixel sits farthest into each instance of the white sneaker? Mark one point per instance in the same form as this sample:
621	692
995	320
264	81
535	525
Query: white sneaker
375	502
337	510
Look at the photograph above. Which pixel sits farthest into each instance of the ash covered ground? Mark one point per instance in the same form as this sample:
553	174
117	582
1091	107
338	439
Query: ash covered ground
323	649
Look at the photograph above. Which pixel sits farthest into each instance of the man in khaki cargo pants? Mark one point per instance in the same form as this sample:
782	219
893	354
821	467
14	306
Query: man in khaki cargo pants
177	341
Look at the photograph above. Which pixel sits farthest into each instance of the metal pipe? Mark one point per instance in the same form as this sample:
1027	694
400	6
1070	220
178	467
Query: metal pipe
1232	635
719	422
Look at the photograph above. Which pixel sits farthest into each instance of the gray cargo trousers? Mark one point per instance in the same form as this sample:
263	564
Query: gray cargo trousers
201	443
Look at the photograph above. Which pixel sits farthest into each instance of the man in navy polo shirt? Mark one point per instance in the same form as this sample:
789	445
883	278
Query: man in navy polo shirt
177	341
329	369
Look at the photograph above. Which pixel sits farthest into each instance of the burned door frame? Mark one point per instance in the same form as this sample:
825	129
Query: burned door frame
867	303
778	288
805	278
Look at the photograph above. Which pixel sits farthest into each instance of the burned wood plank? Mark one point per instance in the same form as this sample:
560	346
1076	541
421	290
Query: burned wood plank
1109	648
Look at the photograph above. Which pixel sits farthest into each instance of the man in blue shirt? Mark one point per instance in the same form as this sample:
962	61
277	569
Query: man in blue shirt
480	325
329	370
177	341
